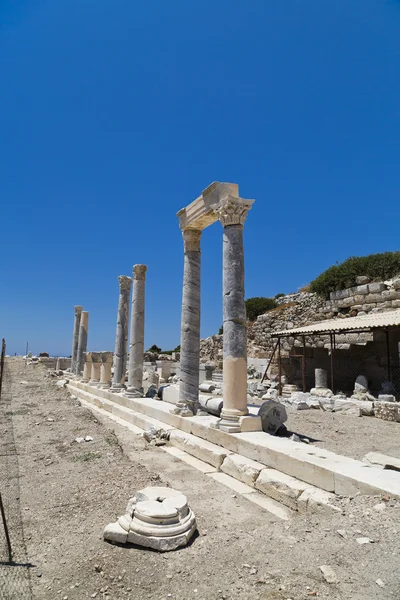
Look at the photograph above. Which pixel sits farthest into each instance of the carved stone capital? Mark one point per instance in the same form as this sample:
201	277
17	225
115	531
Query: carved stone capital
125	283
106	357
233	211
78	310
96	357
191	239
139	271
87	356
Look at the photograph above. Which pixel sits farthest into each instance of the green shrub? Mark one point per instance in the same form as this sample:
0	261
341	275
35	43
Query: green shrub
155	349
258	306
338	277
279	296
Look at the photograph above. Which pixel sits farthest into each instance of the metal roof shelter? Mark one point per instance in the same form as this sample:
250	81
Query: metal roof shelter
364	323
373	321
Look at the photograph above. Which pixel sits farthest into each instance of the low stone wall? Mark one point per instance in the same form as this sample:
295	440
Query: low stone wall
362	299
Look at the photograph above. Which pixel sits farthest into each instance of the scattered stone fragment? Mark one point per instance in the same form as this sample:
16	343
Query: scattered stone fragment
328	574
364	540
380	507
342	533
380	583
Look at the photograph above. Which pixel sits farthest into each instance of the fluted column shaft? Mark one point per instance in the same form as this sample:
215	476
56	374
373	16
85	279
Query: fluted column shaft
136	344
87	368
105	369
190	325
232	214
75	337
96	364
82	342
121	338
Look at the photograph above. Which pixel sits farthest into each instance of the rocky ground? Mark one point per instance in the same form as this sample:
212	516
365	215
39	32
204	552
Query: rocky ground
70	491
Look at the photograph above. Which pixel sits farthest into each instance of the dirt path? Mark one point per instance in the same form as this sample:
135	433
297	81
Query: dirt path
70	491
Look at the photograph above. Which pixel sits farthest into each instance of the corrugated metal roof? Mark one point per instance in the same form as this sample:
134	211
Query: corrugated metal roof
370	321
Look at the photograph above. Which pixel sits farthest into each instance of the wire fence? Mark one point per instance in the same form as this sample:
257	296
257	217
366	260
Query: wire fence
14	567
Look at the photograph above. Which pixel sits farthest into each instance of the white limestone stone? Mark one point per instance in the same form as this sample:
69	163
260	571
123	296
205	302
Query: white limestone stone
316	500
280	487
201	449
157	518
242	468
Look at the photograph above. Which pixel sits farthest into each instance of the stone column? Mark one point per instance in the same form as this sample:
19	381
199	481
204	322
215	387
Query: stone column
87	368
232	213
190	326
82	342
136	344
105	369
121	339
75	337
321	378
95	373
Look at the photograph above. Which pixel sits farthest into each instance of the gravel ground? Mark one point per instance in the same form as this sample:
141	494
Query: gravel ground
70	491
345	434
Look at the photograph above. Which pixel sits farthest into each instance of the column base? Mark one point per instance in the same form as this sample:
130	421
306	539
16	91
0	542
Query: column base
94	382
232	422
132	392
85	380
118	388
182	410
103	386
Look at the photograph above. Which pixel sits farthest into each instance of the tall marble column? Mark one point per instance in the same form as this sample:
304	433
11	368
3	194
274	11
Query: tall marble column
121	338
82	342
105	369
75	337
136	344
232	213
190	325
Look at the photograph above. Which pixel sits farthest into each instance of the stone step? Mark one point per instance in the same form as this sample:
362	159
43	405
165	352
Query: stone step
315	466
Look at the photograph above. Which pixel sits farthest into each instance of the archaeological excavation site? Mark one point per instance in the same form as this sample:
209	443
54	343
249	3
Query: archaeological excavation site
260	463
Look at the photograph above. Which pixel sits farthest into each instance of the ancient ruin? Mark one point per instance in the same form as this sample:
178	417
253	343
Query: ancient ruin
156	517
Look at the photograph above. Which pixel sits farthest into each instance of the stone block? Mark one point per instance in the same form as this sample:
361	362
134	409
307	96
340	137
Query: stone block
387	411
201	449
242	468
362	280
362	479
375	288
362	289
396	284
281	487
316	500
372	298
170	394
382	460
395	303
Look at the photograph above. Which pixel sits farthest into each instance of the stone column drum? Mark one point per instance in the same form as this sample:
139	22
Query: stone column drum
75	337
136	344
321	378
121	339
105	369
82	342
232	214
190	326
96	364
87	368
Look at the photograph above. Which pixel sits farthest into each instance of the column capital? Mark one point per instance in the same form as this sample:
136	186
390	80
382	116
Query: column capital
78	309
87	356
139	271
106	357
191	239
96	357
233	211
125	283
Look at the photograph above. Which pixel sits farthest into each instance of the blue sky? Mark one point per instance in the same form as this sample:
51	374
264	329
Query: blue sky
117	113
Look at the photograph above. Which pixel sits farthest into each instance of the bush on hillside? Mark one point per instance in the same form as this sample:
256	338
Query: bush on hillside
258	306
155	349
338	277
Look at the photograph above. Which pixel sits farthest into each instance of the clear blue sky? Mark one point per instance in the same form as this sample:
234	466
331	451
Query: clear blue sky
114	114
